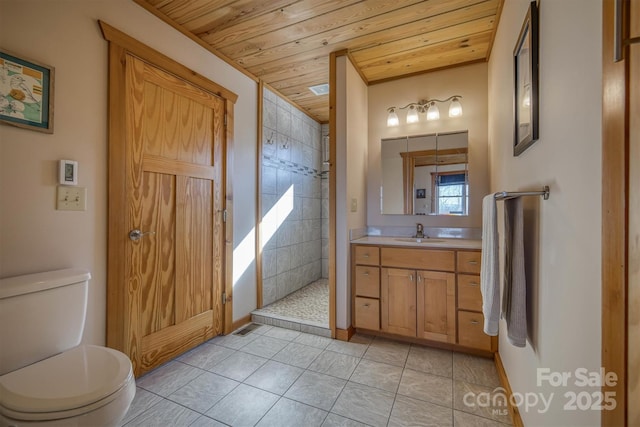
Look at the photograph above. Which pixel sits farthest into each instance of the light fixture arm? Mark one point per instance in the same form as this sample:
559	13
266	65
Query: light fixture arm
424	103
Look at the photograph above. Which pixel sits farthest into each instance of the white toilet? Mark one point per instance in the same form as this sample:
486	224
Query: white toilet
46	377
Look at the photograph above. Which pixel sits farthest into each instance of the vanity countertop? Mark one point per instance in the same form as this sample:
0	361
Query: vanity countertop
420	243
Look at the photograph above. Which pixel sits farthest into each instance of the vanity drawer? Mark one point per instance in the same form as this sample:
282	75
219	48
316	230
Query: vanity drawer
369	255
469	262
422	259
367	281
469	294
470	331
367	313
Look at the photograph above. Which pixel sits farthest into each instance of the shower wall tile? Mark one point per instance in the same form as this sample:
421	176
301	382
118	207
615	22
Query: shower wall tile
283	147
325	248
284	121
268	202
269	263
297	127
296	255
269	180
283	103
269	137
283	260
268	290
282	285
292	160
270	96
283	181
284	235
296	232
269	111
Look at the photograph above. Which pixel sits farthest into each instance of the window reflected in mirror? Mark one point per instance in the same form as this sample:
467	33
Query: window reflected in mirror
425	174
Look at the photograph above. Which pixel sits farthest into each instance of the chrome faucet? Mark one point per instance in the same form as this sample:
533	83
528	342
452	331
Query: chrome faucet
419	231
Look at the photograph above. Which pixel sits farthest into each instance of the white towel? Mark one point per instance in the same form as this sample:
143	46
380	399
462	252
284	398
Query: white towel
514	298
489	270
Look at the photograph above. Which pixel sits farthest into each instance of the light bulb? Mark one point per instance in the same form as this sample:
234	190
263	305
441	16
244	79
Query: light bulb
412	115
392	118
433	113
455	109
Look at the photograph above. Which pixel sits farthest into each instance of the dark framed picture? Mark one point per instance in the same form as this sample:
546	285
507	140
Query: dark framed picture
525	59
26	93
421	193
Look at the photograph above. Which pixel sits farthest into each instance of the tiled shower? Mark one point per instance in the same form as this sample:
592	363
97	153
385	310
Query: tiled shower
294	199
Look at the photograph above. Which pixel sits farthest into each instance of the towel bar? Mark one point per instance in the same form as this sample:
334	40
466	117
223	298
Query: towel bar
503	195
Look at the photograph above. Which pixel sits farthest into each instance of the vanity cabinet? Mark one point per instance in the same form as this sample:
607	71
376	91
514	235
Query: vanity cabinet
422	293
470	317
366	289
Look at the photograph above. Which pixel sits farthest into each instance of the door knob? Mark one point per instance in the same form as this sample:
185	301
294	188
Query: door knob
136	234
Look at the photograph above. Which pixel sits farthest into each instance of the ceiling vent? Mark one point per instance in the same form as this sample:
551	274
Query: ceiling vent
322	89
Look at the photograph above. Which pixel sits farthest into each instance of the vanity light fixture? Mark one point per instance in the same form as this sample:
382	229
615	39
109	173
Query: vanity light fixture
428	106
392	118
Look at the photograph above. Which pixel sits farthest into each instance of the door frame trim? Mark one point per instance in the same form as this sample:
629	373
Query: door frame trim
121	44
615	225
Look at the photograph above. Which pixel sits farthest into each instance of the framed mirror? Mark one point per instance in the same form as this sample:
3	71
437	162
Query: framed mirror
425	174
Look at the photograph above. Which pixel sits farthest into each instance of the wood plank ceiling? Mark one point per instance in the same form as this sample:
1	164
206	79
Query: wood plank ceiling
287	43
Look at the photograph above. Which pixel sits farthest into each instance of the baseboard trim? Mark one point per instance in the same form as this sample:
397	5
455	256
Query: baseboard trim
345	334
241	322
504	380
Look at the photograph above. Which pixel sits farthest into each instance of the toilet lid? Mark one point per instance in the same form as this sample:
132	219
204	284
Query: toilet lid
72	379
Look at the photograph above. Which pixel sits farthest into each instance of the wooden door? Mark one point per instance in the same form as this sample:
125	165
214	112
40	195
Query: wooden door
172	166
437	306
398	301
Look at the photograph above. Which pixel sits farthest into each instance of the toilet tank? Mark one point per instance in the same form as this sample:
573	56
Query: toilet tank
41	315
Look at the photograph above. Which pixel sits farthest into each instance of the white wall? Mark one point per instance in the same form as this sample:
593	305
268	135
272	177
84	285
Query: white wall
562	233
468	81
351	176
33	235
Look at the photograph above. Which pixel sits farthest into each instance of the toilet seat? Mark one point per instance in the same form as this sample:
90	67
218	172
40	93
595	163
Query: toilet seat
66	385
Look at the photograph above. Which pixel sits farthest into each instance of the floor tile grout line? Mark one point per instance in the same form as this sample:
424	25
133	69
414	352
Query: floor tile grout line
320	350
172	401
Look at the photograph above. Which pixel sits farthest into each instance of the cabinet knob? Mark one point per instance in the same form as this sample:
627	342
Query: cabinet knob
472	262
473	284
474	322
366	273
365	256
411	277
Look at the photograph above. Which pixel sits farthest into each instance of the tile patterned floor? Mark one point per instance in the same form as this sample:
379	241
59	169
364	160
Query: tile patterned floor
279	377
307	306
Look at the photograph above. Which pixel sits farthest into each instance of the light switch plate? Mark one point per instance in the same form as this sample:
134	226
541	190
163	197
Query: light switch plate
71	198
354	205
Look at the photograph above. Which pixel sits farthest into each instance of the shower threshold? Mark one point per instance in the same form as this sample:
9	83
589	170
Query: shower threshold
306	310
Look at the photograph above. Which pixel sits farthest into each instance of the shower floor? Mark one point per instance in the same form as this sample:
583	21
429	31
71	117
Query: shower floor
306	310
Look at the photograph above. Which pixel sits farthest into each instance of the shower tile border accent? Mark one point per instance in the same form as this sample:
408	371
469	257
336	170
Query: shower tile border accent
290	166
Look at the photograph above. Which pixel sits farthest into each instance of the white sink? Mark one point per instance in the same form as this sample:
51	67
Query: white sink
419	240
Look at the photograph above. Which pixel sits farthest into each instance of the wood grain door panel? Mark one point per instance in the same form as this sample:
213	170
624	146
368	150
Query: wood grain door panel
398	301
436	306
174	153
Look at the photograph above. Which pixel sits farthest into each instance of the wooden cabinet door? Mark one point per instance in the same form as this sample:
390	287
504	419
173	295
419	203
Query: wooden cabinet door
436	306
398	301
